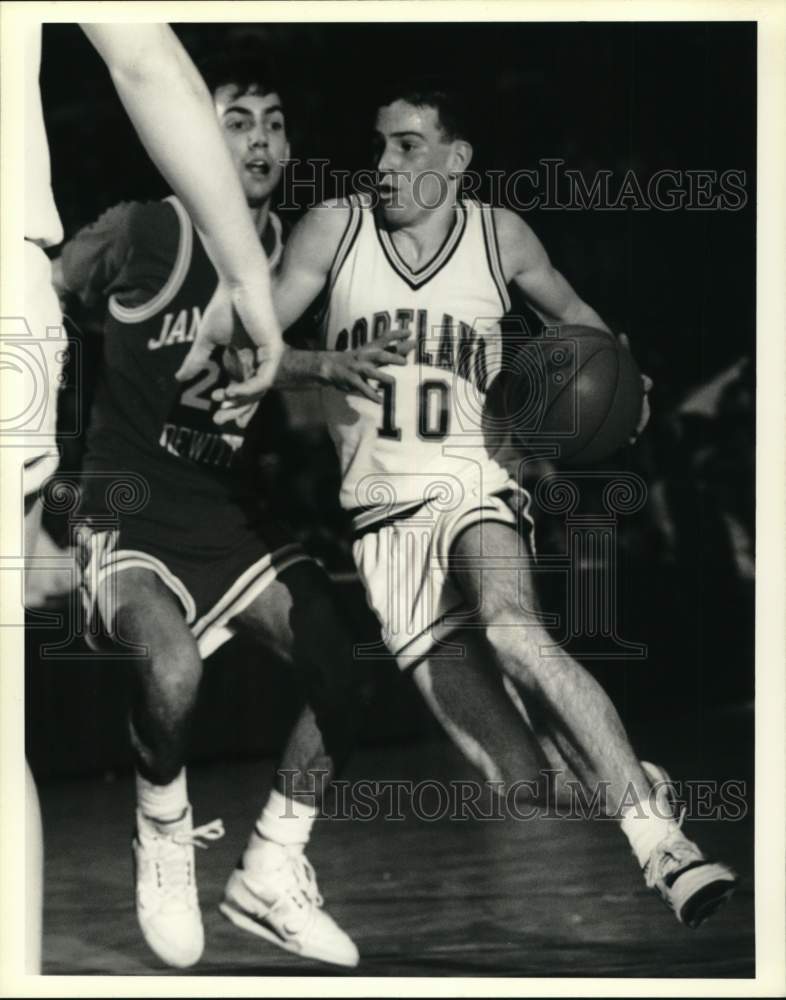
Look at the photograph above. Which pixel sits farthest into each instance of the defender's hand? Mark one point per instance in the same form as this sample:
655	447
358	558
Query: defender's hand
234	316
215	330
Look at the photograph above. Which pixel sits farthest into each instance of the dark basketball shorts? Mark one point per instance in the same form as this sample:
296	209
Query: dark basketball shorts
212	584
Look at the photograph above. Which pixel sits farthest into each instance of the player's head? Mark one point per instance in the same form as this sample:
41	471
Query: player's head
422	147
251	115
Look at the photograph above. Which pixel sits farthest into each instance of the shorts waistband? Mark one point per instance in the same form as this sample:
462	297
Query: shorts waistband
368	519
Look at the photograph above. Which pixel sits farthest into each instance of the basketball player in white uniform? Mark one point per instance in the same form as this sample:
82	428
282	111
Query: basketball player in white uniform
173	114
440	528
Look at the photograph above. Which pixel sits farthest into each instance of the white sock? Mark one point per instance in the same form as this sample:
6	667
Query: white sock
284	826
162	803
645	827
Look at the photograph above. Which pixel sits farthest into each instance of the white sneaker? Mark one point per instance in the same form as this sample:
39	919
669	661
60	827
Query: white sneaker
167	904
283	905
688	882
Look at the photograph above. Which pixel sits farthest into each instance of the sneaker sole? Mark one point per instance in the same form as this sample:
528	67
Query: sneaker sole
706	900
163	950
247	923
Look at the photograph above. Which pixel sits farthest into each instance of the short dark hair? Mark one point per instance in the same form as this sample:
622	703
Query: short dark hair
247	66
447	98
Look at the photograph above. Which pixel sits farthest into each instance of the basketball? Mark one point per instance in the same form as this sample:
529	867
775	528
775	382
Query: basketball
579	389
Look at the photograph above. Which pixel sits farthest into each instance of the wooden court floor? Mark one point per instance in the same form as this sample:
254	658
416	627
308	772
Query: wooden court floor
545	897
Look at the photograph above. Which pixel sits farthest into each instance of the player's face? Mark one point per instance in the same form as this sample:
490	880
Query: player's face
414	160
255	133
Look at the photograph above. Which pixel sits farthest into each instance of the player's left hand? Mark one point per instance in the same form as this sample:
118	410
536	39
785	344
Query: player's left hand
647	384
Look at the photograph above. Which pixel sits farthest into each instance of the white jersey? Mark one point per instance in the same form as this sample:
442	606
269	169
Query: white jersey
42	221
427	438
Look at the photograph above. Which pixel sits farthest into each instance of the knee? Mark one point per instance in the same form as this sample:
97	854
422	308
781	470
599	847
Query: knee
170	666
176	682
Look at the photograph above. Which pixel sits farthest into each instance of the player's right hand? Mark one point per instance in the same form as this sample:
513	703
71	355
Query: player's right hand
355	371
646	385
350	371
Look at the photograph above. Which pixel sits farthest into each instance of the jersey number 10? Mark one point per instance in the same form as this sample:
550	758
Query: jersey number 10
433	416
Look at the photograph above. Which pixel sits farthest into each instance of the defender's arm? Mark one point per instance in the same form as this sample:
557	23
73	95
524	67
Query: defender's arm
308	259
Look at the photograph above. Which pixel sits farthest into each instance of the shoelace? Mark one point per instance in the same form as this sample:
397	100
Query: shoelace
200	836
298	885
173	866
672	853
675	850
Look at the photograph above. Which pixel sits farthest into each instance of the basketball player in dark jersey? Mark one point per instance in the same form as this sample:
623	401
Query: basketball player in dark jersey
197	559
436	516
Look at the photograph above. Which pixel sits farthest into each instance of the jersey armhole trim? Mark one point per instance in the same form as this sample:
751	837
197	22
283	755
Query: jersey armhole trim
493	255
140	314
345	244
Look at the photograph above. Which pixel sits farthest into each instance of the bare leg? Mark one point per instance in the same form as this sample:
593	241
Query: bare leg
485	718
34	837
34	870
575	711
298	616
273	892
138	609
167	675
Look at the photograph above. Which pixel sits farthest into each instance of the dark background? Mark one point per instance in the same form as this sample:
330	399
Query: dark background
682	284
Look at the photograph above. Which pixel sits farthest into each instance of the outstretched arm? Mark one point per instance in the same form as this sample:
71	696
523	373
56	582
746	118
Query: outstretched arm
171	109
308	258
